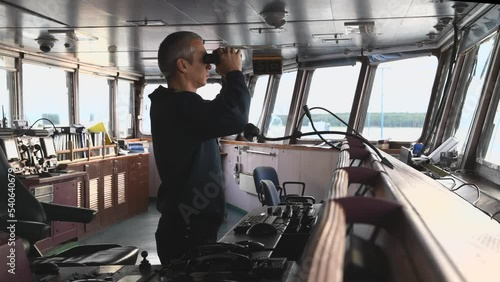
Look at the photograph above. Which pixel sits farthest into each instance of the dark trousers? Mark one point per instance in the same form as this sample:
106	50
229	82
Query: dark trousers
175	238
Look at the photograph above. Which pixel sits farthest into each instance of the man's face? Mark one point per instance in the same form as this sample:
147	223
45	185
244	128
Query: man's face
198	71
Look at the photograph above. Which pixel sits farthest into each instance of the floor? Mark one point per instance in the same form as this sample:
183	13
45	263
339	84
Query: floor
139	231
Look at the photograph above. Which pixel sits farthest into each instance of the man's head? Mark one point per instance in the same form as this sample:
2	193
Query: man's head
181	54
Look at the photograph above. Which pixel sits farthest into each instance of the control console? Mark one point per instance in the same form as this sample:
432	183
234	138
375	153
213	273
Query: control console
30	155
108	273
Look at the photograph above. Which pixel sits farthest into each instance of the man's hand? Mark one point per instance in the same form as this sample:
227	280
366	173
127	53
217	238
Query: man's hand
230	60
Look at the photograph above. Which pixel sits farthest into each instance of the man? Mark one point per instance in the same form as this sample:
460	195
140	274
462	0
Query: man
184	129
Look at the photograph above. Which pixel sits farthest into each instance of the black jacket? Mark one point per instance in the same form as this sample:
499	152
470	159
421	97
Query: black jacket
184	128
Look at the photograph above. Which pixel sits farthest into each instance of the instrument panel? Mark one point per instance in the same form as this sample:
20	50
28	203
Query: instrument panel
30	155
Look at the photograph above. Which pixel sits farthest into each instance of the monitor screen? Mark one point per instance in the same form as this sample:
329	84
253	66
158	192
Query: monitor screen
10	147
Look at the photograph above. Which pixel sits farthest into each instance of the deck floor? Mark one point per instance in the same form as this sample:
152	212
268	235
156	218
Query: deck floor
139	231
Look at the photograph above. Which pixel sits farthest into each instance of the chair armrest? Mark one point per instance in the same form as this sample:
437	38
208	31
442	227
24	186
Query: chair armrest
57	212
295	183
32	231
300	199
280	190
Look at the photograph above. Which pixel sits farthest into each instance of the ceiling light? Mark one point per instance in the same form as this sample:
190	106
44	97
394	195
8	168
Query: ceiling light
327	35
261	30
445	20
439	27
336	40
360	27
146	22
460	7
432	35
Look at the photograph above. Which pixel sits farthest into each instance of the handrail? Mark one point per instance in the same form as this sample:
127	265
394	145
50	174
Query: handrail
272	154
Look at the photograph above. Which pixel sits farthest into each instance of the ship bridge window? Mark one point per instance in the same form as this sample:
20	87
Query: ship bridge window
7	88
282	105
209	91
333	89
493	151
399	99
145	127
95	101
124	108
257	103
475	81
40	82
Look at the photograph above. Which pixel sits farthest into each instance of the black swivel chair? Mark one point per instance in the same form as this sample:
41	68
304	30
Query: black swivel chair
272	198
269	173
33	224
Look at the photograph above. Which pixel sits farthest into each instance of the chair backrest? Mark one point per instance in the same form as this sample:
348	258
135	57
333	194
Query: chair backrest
271	196
264	173
27	207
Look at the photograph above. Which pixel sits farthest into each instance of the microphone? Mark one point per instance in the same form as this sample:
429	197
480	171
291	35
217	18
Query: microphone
250	131
307	112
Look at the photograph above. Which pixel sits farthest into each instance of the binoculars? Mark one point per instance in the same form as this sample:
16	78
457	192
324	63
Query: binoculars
211	58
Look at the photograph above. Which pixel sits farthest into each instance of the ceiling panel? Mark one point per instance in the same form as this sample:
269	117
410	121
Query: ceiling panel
362	9
99	25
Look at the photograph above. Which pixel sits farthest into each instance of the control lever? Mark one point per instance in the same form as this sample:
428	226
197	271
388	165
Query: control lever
145	265
287	212
270	210
277	212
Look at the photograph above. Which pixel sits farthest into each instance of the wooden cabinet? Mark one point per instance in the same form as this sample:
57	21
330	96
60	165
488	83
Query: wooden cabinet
65	193
114	181
116	187
89	192
138	184
58	190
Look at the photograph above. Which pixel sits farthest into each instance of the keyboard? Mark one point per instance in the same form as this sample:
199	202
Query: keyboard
253	219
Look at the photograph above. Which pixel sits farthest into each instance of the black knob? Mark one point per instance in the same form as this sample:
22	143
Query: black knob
145	265
270	210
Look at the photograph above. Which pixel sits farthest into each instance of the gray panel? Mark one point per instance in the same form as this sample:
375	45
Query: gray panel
100	24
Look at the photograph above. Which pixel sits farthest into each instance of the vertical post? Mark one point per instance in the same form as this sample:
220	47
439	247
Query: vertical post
382	107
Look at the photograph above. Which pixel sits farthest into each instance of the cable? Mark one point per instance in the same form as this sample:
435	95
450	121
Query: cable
356	135
473	185
448	178
338	118
382	158
309	117
29	128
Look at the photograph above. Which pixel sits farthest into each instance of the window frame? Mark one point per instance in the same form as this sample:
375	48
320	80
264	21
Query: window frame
368	90
131	108
70	84
112	81
270	100
489	103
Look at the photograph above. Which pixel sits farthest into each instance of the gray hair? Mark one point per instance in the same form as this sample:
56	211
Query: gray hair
176	45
